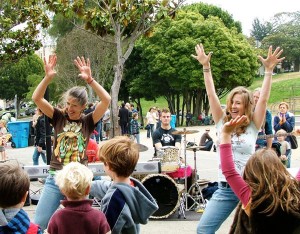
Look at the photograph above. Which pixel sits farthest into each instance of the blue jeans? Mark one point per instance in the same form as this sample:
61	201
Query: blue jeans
36	155
150	131
48	202
217	210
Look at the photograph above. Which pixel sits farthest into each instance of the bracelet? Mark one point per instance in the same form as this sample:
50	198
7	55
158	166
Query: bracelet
206	69
268	73
89	82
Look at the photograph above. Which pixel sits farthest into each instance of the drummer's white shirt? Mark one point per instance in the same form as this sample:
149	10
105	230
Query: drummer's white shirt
243	147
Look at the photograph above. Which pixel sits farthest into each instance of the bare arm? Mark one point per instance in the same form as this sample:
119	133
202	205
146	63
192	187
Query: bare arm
86	74
39	92
214	101
269	64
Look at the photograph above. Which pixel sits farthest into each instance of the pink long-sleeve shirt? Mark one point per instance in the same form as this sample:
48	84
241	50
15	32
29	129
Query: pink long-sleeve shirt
235	180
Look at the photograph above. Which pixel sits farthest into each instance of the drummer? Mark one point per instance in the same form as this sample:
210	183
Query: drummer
163	136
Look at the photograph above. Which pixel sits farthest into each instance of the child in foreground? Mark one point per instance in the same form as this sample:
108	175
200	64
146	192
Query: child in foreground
270	196
125	201
77	216
14	186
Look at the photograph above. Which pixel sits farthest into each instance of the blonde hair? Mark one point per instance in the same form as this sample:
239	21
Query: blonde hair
3	121
281	132
74	179
247	98
271	184
283	103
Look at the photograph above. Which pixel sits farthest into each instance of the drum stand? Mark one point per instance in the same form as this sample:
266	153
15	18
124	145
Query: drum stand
194	193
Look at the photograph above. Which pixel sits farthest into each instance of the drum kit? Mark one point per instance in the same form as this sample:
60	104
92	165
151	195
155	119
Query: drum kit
166	191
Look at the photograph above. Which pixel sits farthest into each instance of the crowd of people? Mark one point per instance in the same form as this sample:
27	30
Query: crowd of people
251	177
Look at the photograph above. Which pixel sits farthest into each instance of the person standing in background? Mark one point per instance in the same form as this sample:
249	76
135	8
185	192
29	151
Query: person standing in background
106	123
135	127
285	120
3	132
123	119
151	120
40	138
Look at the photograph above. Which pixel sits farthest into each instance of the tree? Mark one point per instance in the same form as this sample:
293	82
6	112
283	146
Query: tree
286	34
19	28
126	21
80	43
260	30
167	54
13	77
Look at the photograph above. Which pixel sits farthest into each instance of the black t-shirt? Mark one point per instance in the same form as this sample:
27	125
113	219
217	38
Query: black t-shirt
165	137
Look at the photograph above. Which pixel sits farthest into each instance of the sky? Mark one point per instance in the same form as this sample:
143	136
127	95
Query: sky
247	11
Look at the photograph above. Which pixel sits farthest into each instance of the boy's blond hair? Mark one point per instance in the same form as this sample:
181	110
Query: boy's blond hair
120	154
73	180
281	132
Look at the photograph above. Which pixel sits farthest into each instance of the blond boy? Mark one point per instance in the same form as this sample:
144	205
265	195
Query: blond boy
77	216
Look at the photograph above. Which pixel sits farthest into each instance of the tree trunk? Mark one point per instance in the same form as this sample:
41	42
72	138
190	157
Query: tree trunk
297	64
115	128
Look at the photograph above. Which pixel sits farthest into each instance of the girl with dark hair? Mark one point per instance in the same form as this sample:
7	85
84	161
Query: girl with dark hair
270	196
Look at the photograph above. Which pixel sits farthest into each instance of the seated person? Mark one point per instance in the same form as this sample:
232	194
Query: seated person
14	187
125	201
163	137
206	141
77	216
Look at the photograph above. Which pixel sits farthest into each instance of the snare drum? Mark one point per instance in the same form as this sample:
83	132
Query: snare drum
166	193
169	158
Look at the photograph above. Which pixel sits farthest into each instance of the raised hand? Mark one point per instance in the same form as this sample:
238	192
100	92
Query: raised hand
230	126
272	59
203	58
84	68
49	66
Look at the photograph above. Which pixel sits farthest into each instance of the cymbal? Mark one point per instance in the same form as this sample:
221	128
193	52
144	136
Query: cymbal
183	132
142	148
196	147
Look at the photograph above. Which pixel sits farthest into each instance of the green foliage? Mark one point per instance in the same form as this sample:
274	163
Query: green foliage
19	23
207	10
13	77
168	55
260	30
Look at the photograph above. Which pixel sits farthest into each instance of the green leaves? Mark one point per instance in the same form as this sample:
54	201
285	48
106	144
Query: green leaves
19	23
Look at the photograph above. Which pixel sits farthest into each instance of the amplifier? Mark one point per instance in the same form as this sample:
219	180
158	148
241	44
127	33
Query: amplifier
151	167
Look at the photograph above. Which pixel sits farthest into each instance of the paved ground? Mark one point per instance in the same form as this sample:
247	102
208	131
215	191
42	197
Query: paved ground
206	166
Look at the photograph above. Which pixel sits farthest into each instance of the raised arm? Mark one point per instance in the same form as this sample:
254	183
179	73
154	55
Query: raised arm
39	92
269	63
86	74
213	99
235	180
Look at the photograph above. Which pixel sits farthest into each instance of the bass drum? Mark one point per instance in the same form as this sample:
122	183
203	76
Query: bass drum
166	193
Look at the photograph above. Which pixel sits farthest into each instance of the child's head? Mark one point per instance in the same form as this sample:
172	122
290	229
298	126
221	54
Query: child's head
270	181
74	180
120	154
14	184
281	135
2	123
135	115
